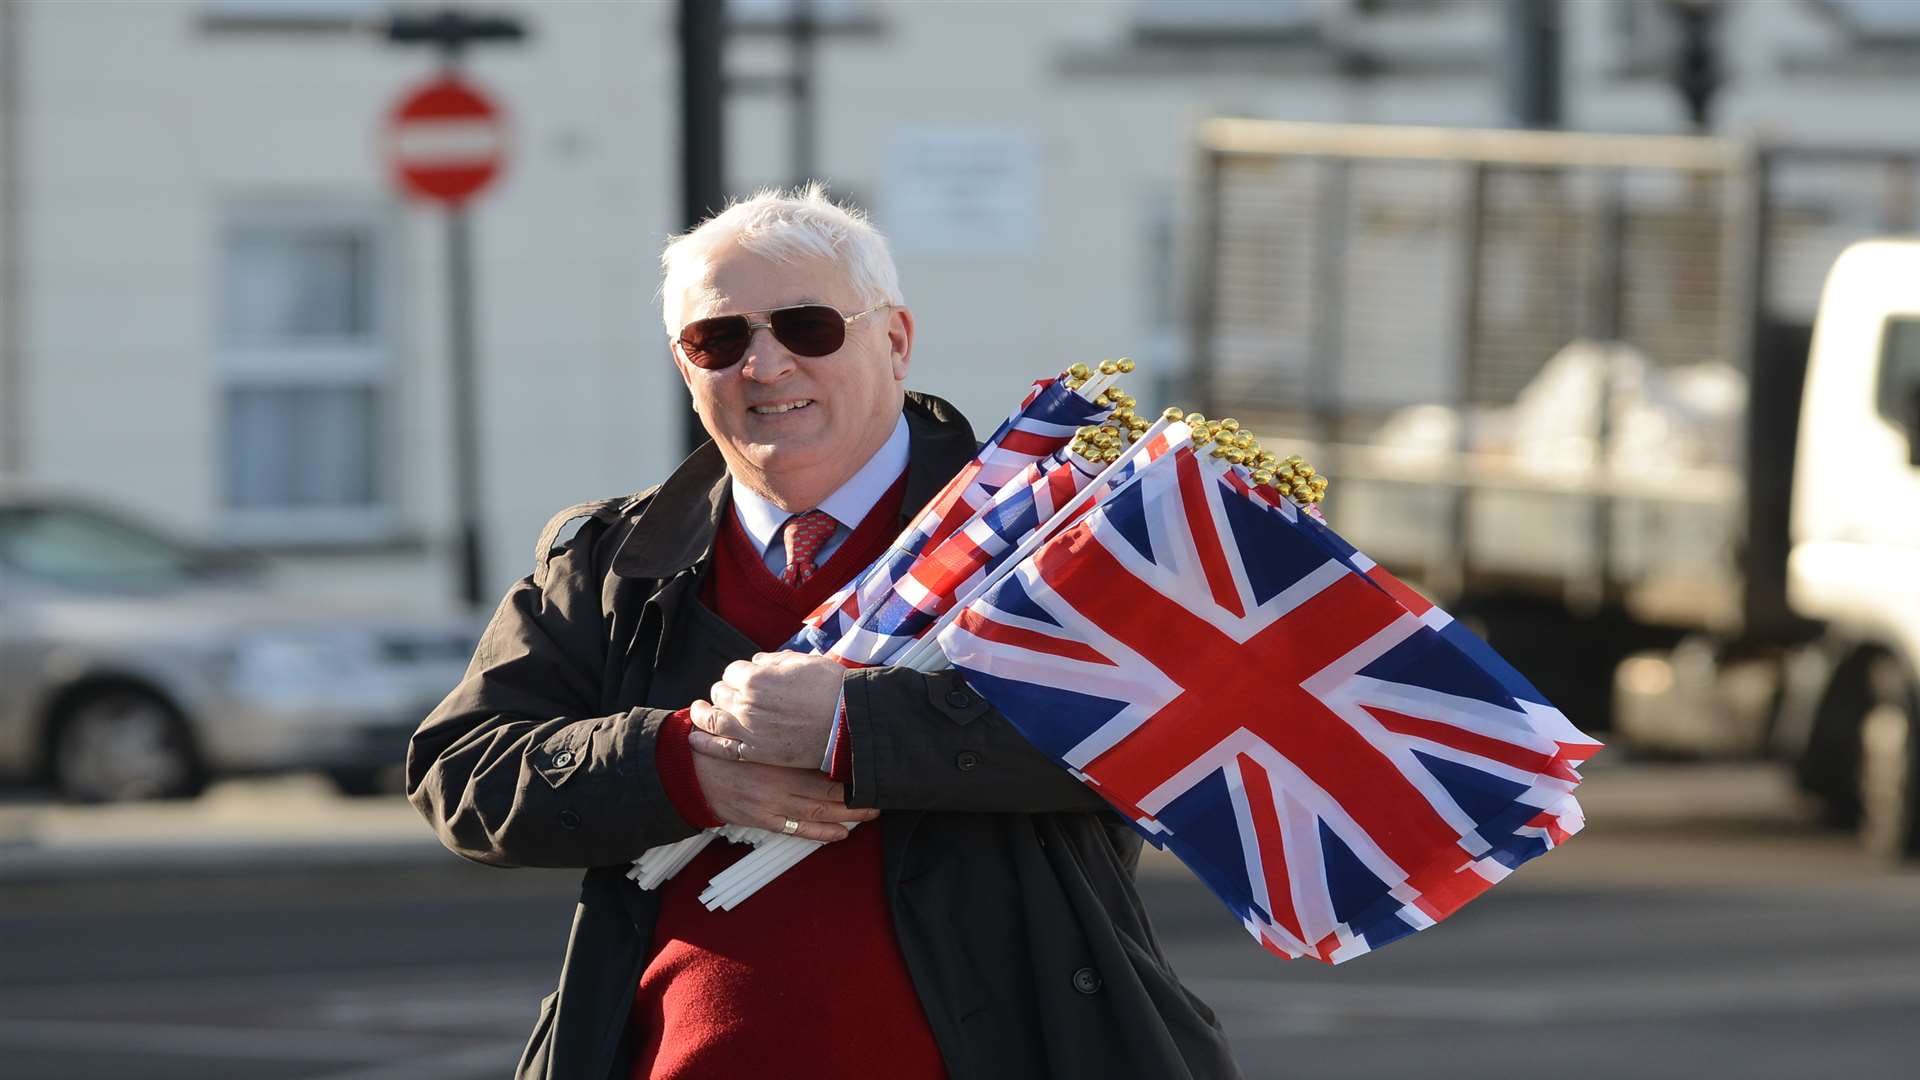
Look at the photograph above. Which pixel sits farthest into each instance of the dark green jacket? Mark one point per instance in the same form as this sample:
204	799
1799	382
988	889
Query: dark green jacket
1009	882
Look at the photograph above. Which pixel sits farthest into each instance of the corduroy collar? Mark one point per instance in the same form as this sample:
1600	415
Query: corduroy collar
677	528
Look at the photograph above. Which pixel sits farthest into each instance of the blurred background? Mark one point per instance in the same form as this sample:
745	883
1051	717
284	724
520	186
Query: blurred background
1596	312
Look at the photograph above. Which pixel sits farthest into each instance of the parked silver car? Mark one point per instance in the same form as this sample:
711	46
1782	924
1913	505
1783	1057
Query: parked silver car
133	665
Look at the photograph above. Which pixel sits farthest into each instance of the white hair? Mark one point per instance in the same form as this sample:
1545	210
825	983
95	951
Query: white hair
784	226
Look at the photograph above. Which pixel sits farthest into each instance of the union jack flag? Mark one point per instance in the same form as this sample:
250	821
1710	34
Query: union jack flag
909	598
1043	424
1329	760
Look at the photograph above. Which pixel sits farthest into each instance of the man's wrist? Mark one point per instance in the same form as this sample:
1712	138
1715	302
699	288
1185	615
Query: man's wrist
673	759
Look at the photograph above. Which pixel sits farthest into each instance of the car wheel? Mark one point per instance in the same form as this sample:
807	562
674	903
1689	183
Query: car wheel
1890	769
120	743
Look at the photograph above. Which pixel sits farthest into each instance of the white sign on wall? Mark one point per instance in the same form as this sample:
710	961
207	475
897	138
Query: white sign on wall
964	192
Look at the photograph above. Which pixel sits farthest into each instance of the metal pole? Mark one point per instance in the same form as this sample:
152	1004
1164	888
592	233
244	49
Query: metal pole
461	369
703	28
1697	71
805	113
1203	265
1532	69
1601	589
1325	402
449	31
1451	576
13	407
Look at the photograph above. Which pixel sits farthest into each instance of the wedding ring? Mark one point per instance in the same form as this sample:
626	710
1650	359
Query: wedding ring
739	750
790	827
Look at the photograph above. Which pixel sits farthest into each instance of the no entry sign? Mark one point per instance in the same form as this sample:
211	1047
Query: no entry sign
445	141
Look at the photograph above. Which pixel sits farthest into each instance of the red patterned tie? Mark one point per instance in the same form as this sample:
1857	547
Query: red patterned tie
806	534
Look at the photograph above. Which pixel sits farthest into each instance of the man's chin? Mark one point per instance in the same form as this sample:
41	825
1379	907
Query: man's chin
788	455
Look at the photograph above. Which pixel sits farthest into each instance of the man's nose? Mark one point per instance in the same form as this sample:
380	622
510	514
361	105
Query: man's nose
766	359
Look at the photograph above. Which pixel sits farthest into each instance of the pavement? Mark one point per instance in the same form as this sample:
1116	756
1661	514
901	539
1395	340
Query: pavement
1702	926
257	824
298	822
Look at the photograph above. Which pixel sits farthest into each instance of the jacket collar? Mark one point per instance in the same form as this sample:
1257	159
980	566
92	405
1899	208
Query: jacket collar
677	527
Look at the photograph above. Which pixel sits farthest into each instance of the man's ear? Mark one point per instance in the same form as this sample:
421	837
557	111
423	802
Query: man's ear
900	341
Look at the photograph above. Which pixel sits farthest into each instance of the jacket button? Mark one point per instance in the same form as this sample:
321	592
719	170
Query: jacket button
563	759
959	698
569	820
1087	981
967	761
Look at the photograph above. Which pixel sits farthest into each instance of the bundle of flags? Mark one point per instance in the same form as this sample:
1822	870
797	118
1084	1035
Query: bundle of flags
1160	609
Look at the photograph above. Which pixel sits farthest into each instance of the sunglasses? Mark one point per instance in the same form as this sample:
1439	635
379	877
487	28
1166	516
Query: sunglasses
804	329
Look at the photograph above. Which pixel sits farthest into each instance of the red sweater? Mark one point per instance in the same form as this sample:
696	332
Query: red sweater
805	978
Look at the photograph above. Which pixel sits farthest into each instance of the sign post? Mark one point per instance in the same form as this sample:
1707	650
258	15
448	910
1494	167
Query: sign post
444	142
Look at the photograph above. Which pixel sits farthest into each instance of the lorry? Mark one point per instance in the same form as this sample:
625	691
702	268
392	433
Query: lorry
1574	387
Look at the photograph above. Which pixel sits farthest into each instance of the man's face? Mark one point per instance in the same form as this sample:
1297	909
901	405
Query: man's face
788	424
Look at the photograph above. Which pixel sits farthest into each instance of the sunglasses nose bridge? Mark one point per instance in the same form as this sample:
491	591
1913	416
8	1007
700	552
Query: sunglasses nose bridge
757	363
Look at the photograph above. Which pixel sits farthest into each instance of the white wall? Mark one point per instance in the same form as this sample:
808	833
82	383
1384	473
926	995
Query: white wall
141	128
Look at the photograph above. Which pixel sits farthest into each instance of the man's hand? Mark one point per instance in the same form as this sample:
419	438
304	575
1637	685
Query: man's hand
766	796
776	709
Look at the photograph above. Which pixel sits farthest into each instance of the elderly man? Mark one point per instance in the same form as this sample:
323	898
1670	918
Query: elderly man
627	694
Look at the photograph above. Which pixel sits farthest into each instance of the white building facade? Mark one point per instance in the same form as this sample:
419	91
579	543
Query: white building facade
216	311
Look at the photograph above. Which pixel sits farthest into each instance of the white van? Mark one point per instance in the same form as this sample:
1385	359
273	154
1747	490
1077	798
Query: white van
1848	715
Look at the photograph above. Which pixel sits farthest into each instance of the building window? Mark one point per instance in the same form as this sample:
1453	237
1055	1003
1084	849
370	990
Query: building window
1899	391
305	363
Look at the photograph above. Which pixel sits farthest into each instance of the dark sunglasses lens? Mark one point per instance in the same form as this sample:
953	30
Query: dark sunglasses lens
716	343
814	330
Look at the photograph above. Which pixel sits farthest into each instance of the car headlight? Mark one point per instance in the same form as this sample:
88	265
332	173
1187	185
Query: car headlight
278	666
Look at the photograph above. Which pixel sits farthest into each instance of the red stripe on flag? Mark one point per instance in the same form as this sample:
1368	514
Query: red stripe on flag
1273	849
1445	894
1575	753
1551	823
1399	590
1031	443
1472	742
945	569
1062	485
1021	637
1213	560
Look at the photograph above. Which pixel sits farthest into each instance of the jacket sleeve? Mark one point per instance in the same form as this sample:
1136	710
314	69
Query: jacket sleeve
517	767
926	741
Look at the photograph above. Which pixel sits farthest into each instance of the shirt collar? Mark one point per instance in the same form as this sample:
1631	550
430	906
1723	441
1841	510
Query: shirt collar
763	519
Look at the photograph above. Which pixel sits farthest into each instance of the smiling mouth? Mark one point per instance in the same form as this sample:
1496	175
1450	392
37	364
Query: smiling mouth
782	407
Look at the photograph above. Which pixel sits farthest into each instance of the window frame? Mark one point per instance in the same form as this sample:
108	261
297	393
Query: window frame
370	363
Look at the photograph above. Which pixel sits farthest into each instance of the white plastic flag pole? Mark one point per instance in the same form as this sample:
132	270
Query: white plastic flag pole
760	868
746	877
660	863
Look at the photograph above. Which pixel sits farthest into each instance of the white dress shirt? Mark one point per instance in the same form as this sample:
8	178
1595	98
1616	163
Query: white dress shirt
766	523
